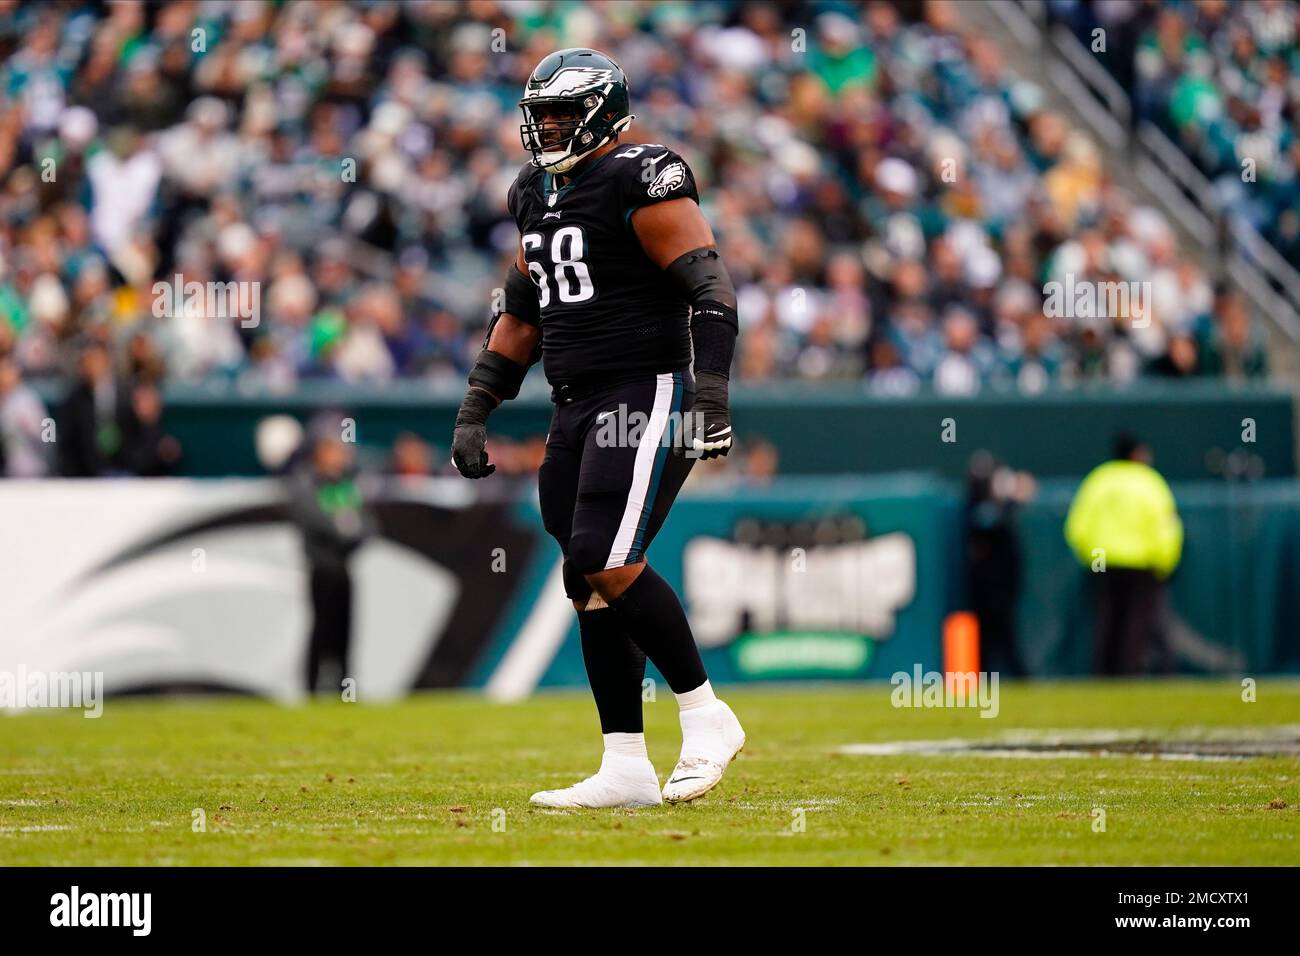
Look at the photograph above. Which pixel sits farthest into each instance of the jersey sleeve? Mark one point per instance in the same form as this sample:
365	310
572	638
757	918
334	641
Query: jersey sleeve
654	174
516	199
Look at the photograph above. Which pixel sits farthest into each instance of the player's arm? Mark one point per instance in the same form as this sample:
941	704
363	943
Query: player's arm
676	237
509	348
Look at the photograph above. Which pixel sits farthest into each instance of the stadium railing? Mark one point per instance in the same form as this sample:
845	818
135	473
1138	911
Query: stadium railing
1270	281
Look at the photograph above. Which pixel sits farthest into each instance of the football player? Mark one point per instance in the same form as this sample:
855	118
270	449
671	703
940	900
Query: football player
616	284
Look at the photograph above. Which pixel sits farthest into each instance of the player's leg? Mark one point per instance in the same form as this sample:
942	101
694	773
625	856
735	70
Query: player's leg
624	496
615	665
711	734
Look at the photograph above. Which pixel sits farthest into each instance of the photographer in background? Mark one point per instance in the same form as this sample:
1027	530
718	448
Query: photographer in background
993	565
326	504
148	450
95	413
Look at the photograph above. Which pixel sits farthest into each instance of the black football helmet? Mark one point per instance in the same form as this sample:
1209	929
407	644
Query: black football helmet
575	101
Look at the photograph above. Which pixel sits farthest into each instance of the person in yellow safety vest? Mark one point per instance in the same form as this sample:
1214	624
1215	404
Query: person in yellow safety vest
1124	527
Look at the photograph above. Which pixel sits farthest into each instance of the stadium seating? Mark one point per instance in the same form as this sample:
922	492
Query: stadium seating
889	196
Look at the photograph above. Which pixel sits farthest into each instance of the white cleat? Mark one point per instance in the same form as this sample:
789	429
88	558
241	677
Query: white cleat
621	781
711	738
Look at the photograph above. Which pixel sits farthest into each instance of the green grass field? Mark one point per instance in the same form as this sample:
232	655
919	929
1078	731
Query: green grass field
445	779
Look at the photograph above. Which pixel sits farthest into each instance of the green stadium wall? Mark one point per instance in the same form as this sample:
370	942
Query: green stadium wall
819	430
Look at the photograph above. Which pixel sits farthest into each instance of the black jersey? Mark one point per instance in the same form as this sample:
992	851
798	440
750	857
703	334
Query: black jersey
606	309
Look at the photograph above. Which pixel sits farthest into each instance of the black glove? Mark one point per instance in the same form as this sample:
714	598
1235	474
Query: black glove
468	439
710	435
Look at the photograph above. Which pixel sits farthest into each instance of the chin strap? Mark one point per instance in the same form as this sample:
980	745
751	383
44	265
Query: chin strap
569	162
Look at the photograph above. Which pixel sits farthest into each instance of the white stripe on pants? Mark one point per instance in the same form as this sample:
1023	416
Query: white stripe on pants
642	471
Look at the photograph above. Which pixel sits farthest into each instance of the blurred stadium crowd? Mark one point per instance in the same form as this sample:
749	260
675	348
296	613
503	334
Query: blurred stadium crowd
889	197
1222	80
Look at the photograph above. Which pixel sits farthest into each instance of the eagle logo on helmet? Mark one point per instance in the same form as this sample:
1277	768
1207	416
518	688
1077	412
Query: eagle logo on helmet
668	180
570	82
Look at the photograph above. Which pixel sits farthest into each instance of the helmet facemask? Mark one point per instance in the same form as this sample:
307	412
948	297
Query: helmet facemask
560	131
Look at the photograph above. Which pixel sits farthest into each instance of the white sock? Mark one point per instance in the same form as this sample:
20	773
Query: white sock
627	745
702	696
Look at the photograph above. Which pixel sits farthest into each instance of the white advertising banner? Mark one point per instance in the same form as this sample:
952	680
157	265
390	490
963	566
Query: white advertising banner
169	583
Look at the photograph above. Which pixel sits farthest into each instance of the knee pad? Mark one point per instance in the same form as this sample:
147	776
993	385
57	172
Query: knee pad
587	552
575	585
